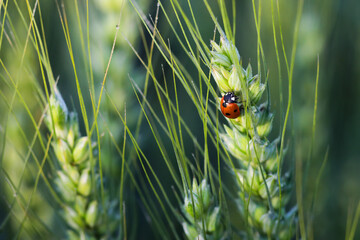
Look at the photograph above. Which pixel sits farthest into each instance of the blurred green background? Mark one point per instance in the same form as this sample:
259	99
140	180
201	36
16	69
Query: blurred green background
329	30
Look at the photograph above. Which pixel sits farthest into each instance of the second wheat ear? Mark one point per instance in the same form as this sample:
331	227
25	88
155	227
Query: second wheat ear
82	211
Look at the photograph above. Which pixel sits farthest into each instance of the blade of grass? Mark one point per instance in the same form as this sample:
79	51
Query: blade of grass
146	199
355	222
34	189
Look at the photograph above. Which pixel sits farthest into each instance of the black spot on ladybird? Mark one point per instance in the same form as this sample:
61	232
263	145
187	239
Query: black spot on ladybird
227	114
235	110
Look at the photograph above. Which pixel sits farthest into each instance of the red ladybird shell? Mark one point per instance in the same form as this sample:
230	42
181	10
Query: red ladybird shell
229	107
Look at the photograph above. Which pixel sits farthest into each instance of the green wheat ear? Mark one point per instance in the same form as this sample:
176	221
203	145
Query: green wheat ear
263	194
83	213
202	214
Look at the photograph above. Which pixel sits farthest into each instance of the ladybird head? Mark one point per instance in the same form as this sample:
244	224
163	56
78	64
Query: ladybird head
230	97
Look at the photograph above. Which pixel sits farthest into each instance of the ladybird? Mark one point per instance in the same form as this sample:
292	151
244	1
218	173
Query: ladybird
228	105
